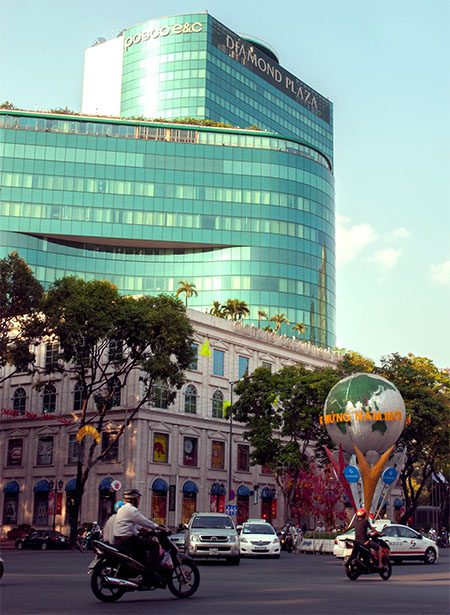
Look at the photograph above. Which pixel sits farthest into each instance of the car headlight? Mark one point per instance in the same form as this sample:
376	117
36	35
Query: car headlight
244	540
232	539
276	541
194	538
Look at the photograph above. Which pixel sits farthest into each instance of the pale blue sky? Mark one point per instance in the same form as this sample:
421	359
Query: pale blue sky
385	64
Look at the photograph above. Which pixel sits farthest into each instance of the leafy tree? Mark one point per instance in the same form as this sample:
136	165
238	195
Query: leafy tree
426	392
104	339
235	309
21	324
279	319
281	412
299	327
261	314
7	105
217	310
187	289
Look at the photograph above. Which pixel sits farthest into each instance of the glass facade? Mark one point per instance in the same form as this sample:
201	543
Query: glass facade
238	212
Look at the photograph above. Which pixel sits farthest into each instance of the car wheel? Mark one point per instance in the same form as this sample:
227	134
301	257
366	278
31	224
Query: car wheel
44	546
430	556
19	545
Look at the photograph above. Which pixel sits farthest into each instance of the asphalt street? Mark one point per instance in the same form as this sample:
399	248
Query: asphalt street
56	583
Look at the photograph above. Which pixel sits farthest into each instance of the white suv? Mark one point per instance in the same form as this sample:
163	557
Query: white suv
214	536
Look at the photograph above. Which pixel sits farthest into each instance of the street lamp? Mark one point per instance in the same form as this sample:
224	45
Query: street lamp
55	487
230	447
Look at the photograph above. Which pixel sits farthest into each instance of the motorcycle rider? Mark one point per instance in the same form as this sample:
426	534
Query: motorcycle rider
126	527
362	526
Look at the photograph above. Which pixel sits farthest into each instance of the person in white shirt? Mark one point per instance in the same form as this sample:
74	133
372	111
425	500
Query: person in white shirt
126	531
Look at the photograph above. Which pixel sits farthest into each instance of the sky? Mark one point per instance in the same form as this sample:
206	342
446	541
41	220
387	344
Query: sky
385	65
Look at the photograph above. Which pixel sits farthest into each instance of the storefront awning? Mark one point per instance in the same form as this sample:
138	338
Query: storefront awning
190	487
218	489
11	487
243	491
268	493
42	486
159	484
71	485
105	485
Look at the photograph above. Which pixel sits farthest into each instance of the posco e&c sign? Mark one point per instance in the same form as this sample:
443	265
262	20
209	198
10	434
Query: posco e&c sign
178	28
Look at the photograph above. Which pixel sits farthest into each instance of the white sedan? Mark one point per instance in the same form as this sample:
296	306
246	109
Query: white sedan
404	543
259	539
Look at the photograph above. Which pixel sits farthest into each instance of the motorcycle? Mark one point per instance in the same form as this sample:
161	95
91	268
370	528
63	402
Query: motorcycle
442	540
85	541
2	568
286	542
114	573
361	561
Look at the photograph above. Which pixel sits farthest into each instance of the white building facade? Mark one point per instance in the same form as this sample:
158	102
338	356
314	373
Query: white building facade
183	457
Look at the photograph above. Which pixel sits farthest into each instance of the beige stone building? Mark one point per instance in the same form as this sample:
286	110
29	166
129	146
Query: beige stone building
183	457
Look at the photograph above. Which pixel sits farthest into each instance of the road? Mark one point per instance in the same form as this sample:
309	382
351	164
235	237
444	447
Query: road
56	583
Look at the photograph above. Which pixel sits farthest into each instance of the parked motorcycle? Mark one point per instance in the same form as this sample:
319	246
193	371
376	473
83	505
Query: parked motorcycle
114	573
361	560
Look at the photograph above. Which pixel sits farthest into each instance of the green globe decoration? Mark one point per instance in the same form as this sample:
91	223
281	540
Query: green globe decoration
366	411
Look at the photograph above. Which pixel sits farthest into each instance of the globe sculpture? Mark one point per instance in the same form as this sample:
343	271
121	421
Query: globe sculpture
364	410
363	413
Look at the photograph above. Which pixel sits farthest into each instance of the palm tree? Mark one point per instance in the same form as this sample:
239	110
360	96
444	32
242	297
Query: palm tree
188	289
217	310
299	327
279	319
261	314
236	309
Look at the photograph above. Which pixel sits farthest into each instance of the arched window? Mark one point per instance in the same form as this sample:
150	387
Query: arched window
117	392
190	399
49	399
78	397
20	400
217	405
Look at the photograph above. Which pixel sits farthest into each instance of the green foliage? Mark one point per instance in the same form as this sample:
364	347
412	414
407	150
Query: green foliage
187	289
426	393
150	336
7	105
21	325
281	412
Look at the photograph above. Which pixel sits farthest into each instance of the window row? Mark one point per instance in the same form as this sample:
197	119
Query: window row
160	453
197	222
162	134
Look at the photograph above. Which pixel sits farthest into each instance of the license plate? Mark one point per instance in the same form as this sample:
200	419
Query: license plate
214	551
259	549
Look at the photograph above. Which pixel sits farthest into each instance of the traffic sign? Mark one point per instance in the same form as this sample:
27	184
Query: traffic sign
231	509
116	485
352	474
389	476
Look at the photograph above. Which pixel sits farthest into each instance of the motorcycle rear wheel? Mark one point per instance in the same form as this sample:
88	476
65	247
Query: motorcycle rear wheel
98	585
386	573
185	579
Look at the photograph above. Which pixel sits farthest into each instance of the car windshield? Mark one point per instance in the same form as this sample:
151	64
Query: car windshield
263	528
218	523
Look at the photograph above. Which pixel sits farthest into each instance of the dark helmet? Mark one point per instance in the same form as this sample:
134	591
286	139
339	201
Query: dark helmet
361	512
131	495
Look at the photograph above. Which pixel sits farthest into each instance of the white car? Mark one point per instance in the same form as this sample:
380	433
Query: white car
259	538
404	543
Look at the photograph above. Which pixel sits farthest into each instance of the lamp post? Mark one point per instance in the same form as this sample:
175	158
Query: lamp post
230	444
55	487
